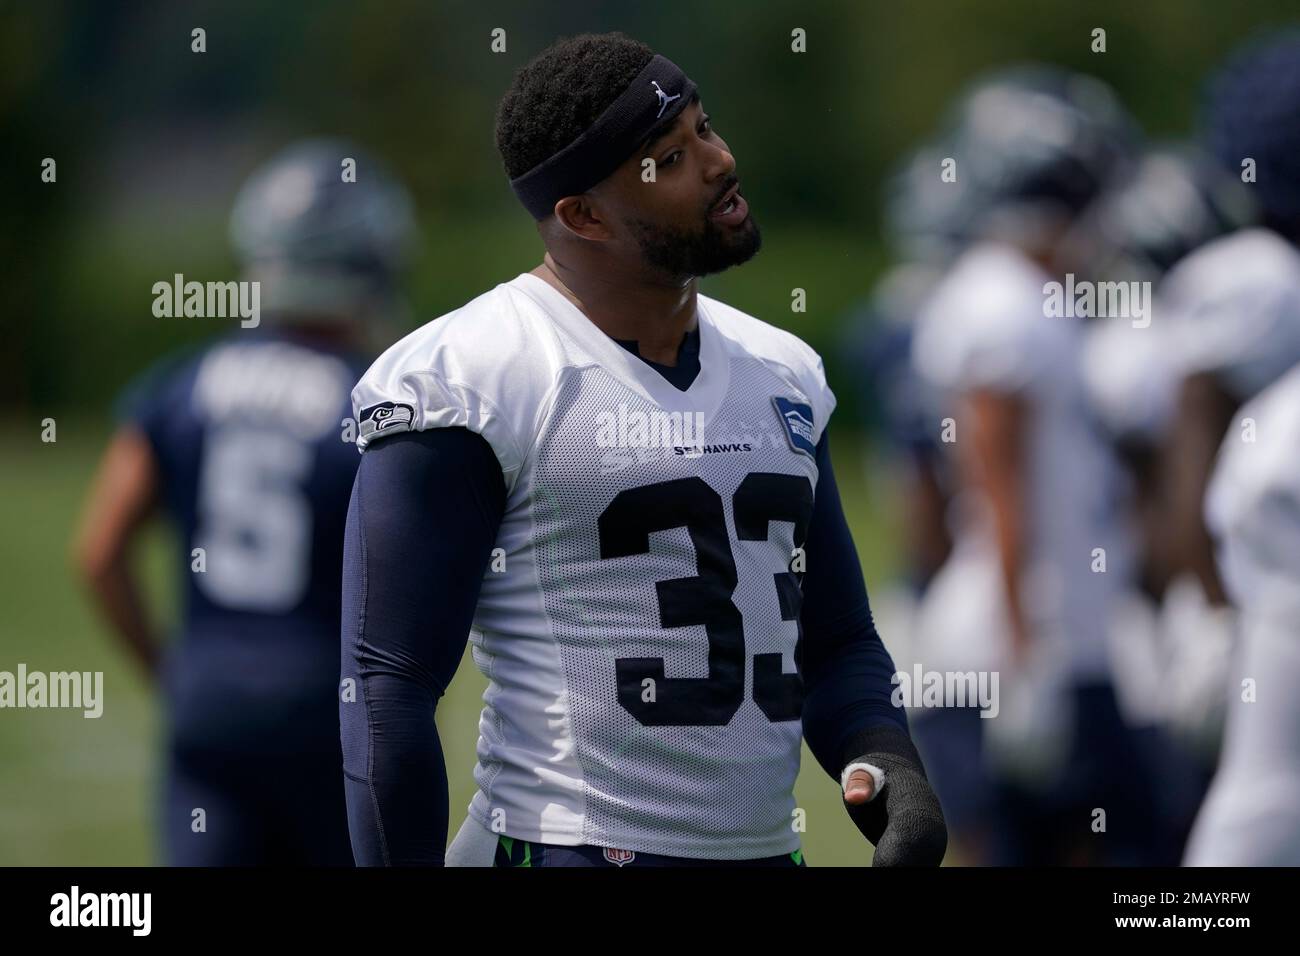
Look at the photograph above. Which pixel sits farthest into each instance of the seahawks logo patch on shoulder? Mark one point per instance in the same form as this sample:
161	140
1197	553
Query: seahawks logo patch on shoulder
384	417
797	417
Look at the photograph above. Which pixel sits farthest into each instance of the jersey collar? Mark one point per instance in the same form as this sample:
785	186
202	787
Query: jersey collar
706	392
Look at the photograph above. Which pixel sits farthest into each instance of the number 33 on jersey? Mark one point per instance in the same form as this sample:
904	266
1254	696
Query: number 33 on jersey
641	641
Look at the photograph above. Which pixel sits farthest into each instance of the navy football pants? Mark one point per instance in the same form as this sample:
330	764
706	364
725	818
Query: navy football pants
258	810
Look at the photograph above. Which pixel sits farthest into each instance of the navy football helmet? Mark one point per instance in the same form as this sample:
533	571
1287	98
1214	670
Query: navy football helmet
1032	143
321	245
1177	200
1253	111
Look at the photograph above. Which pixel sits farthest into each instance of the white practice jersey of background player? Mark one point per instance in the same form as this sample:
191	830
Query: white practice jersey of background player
1233	309
1130	377
1252	814
985	328
602	724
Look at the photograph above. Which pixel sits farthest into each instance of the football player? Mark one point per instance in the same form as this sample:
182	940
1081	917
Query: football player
244	445
1240	301
1167	675
621	490
1230	307
1252	814
1038	554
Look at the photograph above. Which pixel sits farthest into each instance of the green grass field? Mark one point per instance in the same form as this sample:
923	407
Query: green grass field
77	791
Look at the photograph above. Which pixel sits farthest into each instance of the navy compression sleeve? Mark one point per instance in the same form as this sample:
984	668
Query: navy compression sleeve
423	519
846	669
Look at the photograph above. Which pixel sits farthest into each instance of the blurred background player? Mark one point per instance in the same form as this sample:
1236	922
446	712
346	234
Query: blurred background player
1168	667
1252	814
1224	326
1237	306
1024	593
1230	307
243	445
899	408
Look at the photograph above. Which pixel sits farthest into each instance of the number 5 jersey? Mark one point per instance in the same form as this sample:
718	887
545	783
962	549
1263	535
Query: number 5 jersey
254	464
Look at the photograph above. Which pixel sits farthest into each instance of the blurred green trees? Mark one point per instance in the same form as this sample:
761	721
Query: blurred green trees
152	139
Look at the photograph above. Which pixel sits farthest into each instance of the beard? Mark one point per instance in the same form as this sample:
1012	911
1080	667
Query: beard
685	254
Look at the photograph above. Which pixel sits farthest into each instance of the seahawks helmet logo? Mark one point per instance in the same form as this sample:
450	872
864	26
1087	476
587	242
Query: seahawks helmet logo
386	417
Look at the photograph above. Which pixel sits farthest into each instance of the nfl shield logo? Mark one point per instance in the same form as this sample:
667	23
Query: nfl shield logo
619	857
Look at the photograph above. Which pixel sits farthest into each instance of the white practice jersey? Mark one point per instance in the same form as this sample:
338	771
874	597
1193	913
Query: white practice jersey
985	328
1252	814
639	627
1131	376
1233	309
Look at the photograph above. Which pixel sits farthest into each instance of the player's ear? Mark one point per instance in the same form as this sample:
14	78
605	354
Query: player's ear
582	218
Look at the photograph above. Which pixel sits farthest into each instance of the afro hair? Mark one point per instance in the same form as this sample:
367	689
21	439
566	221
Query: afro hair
560	93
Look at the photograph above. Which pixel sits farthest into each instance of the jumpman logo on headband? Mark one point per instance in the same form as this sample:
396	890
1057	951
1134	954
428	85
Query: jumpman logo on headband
664	98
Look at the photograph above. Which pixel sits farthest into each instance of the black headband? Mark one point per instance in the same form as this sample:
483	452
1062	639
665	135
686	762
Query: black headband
653	99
